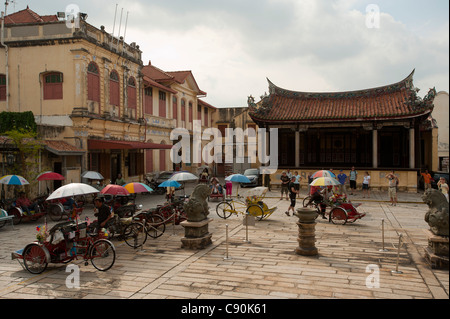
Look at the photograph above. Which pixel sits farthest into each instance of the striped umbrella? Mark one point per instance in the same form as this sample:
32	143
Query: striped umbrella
13	180
136	187
325	181
323	173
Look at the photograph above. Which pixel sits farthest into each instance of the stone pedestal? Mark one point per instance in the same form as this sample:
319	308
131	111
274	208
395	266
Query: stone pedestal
196	234
306	231
437	252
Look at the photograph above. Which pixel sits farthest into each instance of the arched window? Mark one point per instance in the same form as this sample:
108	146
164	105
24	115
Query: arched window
53	86
93	82
131	93
2	87
114	88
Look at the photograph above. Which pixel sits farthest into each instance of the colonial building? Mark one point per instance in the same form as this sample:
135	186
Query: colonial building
375	130
92	93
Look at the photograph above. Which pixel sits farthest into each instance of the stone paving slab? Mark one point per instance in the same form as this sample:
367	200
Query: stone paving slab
264	268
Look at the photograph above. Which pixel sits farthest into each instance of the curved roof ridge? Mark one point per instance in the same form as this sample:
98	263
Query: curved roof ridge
405	83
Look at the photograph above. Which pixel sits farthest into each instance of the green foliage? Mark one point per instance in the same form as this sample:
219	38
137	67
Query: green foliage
10	121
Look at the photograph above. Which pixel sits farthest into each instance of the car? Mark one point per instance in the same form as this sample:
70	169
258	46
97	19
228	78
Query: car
437	176
160	178
254	176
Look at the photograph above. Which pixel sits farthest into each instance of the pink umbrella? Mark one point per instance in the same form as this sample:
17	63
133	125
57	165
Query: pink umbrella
50	176
113	189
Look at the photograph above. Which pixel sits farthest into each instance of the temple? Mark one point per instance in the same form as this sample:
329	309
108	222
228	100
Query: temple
388	127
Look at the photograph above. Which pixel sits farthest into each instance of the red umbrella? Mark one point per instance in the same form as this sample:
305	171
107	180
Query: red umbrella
113	189
50	176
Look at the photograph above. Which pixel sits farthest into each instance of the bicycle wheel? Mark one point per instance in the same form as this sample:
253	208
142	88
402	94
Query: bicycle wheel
255	211
17	215
35	258
102	254
224	210
338	216
155	226
135	235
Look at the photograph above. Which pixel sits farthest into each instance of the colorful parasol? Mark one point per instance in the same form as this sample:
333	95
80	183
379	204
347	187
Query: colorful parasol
136	187
13	180
323	173
325	181
113	189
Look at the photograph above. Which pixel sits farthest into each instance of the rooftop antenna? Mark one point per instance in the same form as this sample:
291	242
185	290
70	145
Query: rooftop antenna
120	25
114	26
125	32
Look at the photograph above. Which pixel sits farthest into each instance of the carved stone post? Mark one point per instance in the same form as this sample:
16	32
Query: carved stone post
306	231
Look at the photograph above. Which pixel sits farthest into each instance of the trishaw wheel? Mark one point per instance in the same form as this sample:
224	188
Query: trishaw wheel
306	202
35	259
55	213
255	211
17	215
338	216
155	226
224	210
135	235
102	254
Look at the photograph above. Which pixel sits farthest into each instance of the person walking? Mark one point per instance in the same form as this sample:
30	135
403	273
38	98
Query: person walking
366	185
352	178
292	195
443	187
285	180
392	190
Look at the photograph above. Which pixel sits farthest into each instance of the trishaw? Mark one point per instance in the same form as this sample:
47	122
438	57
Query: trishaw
252	204
337	207
64	242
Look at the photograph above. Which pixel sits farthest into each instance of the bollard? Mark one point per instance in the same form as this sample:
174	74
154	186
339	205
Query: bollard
226	242
382	235
246	229
396	271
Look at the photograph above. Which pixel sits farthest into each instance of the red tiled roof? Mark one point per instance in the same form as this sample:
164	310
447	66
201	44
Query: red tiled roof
181	76
393	101
62	147
156	73
28	16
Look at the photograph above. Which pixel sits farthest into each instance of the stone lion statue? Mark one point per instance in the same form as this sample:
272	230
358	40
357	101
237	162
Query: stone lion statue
437	215
197	206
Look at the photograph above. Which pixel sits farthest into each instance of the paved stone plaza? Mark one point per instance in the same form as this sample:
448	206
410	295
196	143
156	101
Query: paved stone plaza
349	265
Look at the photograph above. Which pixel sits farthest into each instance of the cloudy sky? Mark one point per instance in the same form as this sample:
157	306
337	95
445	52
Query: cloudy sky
232	46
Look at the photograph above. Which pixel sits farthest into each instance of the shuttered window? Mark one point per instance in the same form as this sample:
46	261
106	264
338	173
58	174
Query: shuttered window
2	87
93	82
53	89
114	88
162	104
131	93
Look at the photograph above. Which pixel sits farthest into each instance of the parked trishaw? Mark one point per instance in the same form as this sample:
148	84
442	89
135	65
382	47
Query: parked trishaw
252	204
64	242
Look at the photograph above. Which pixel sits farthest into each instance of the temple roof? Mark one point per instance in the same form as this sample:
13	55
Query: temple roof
394	101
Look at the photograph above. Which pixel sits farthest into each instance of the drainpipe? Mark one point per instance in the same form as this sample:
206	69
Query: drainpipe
6	57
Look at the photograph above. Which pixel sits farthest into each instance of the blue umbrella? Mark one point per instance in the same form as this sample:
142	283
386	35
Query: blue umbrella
239	178
169	183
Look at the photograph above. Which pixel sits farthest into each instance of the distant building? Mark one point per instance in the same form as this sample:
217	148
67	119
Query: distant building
91	91
441	116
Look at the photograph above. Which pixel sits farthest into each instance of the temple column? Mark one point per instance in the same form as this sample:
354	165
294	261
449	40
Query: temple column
297	149
375	148
411	148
